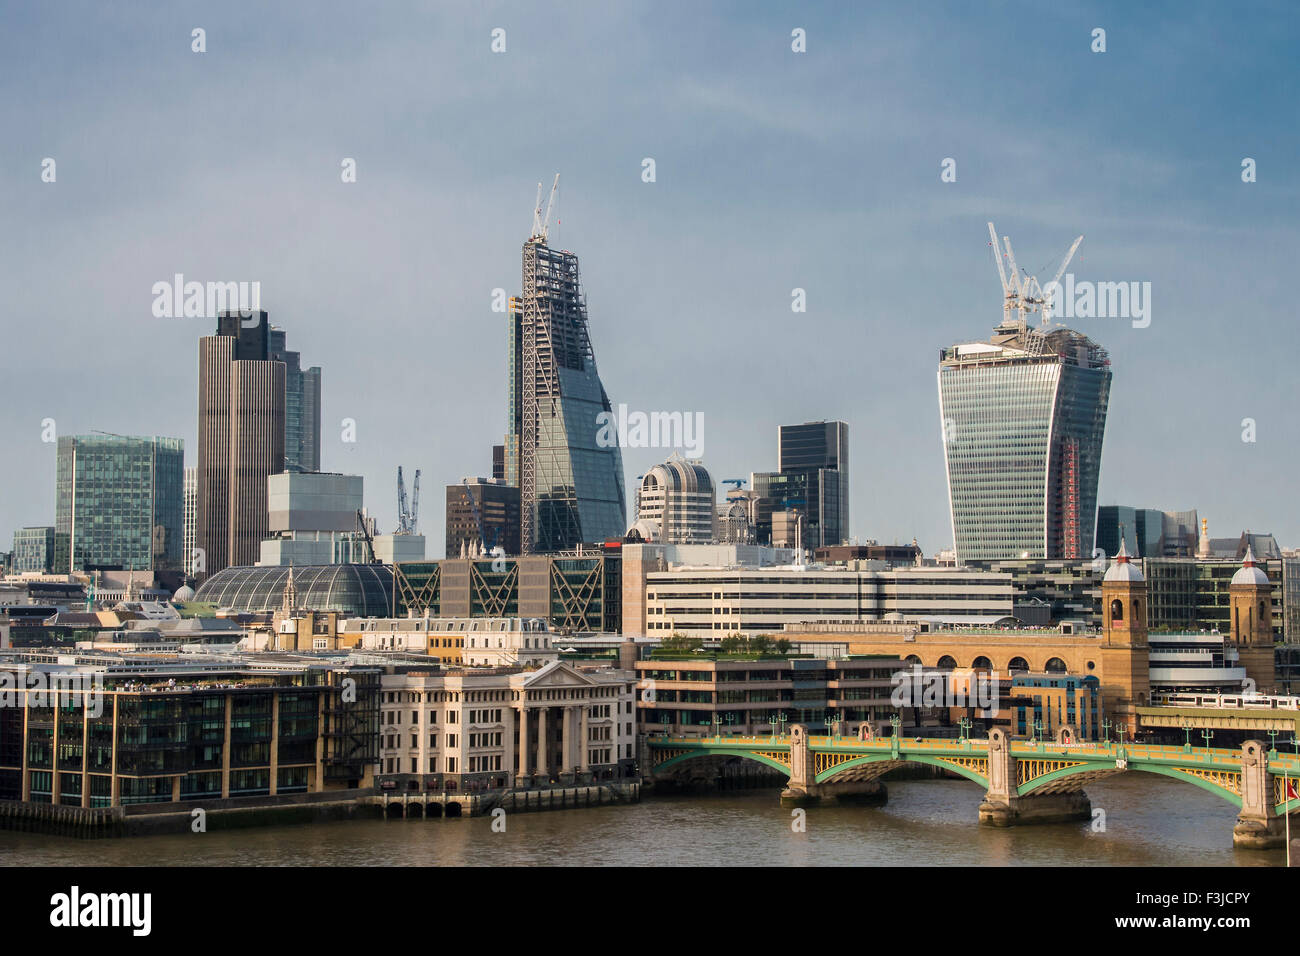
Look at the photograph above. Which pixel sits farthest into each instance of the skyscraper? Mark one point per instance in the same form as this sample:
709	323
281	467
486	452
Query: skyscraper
241	439
118	503
812	479
571	485
191	503
1023	417
301	406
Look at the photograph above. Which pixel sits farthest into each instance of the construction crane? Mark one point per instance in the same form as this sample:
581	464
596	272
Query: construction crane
407	518
1022	293
542	224
364	525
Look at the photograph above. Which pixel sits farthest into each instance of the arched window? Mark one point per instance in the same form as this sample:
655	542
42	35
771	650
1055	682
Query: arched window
1117	610
1055	666
912	659
946	663
1018	665
982	664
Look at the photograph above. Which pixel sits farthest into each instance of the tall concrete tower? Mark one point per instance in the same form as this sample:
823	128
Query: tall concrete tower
241	440
1250	599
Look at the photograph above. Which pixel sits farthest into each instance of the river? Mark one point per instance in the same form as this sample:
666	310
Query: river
1149	821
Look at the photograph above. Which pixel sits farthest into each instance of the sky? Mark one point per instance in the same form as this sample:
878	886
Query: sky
775	170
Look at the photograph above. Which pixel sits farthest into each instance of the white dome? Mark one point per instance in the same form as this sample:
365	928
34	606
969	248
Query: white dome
1249	574
1124	570
183	593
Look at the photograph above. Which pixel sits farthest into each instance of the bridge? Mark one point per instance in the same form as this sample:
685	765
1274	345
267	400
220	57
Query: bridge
1024	781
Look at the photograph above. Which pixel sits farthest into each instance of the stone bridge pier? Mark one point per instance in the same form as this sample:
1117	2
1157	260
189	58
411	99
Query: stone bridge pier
1258	828
803	789
1003	807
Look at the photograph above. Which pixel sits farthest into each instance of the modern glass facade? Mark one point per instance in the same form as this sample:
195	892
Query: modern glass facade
33	549
301	406
1023	420
571	486
119	503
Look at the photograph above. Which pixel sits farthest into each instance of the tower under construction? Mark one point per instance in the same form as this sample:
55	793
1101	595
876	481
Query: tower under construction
571	485
1023	418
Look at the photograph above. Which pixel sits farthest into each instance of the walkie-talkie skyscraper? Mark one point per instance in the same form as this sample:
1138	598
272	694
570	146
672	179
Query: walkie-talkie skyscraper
1023	418
571	486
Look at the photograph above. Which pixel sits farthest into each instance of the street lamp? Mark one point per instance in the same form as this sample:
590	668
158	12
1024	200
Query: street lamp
1208	735
781	718
1272	742
717	726
772	721
1187	735
965	723
1038	729
1105	730
830	723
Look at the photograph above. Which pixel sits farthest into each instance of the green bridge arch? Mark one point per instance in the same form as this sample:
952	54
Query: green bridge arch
724	752
1140	766
902	758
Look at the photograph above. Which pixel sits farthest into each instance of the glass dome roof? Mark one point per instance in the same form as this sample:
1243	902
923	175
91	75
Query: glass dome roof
359	590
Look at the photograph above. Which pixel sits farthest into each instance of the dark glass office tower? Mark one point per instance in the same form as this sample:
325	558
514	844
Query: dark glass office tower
1023	417
301	406
813	479
571	486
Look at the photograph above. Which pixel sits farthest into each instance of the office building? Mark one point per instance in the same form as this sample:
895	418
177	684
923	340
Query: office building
1146	532
482	515
477	641
488	728
713	602
1023	417
312	519
33	550
705	695
190	518
162	728
571	468
119	503
241	439
676	504
576	592
301	406
812	478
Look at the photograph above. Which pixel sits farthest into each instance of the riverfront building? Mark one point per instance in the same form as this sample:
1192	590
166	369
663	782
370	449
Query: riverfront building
1023	417
486	728
174	727
715	694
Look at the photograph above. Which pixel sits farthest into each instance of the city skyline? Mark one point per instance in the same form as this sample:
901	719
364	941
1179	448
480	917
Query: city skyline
725	319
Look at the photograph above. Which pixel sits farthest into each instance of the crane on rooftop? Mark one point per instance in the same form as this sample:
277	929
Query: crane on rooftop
1021	293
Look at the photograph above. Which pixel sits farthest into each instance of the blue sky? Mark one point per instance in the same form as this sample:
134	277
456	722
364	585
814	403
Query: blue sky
775	170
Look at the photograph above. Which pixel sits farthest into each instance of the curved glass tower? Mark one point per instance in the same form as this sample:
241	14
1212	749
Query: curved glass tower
570	486
1023	419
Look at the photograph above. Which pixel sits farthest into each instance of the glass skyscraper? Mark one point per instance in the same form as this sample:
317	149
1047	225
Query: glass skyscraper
301	406
571	485
812	478
1023	417
119	503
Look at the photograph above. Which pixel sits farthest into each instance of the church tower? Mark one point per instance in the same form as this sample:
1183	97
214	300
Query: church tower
1250	602
1125	654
